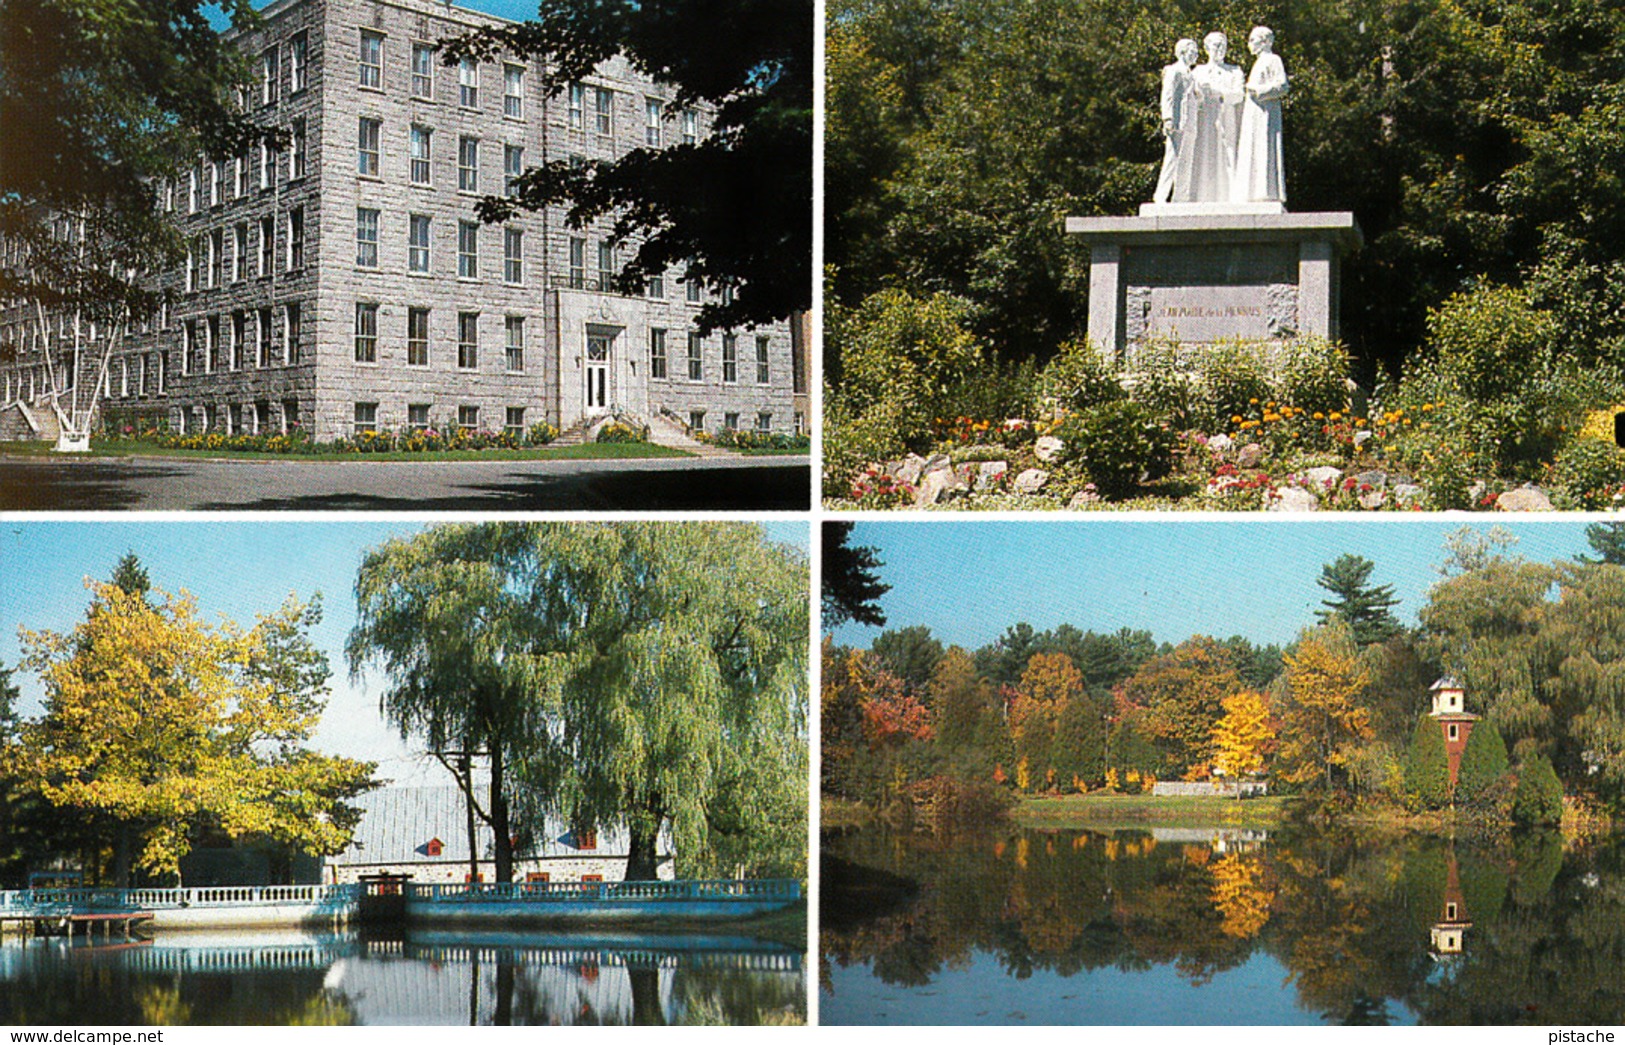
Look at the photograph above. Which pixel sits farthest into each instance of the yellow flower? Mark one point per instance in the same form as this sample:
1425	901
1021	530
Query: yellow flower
1319	416
1254	402
1235	419
1336	416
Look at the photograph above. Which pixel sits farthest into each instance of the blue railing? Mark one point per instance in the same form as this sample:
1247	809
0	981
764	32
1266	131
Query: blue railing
63	900
725	889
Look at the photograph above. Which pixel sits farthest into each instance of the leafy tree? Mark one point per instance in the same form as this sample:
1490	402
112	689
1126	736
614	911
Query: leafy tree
1079	749
909	653
1365	607
1003	661
1048	687
1244	735
651	673
735	208
1483	763
101	105
1319	705
1182	693
852	587
167	724
1427	766
961	701
1607	539
1538	799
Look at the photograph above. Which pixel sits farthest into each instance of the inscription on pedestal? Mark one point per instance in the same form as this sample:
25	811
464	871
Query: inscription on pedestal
1209	313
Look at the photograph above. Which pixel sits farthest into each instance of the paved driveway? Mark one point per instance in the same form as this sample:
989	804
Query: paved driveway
169	484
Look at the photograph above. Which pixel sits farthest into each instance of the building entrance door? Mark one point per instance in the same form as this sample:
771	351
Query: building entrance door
597	373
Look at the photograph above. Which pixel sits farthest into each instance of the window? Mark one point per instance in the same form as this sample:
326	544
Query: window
267	165
801	423
366	237
656	287
298	51
696	420
211	333
764	422
161	361
468	340
730	359
239	340
762	373
1454	731
366	333
239	254
417	243
578	96
239	178
216	176
468	84
423	70
366	418
267	245
192	274
515	424
262	327
268	79
420	154
691	127
296	238
468	164
513	165
513	91
189	345
692	290
513	255
730	422
296	149
217	257
578	262
417	339
468	250
290	333
516	344
606	265
366	155
652	108
417	417
695	371
604	107
191	191
657	353
290	414
372	59
468	417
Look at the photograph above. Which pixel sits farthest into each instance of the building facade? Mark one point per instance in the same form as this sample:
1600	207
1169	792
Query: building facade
344	283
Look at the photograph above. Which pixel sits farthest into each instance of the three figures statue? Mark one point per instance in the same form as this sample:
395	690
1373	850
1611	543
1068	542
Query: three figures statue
1222	132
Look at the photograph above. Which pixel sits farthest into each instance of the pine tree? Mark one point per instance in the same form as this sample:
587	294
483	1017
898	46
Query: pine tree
1483	762
852	587
1607	539
1079	750
1364	606
130	576
1427	766
1538	801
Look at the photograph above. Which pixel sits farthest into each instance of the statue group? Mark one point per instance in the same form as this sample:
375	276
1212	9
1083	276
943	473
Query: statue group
1222	130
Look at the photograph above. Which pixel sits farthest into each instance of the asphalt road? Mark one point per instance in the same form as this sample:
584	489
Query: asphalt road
175	484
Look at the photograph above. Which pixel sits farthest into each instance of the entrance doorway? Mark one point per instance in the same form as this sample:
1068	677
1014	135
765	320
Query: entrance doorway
597	372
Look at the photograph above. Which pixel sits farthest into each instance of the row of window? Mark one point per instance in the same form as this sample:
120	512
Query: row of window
255	418
694	358
298	68
224	256
418	418
241	340
730	421
212	182
417	338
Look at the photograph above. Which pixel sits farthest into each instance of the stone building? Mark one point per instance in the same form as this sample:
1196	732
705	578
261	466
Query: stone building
344	283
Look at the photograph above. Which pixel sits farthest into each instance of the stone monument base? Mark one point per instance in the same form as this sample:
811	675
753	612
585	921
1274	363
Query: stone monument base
1197	277
1162	210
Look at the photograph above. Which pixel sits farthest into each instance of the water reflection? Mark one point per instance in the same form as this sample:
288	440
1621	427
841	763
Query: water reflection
302	979
1175	926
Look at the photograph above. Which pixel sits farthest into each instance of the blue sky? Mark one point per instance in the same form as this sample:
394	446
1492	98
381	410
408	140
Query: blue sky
968	581
235	568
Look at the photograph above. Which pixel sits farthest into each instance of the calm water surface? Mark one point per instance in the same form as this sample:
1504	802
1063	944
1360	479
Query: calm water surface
490	978
1197	926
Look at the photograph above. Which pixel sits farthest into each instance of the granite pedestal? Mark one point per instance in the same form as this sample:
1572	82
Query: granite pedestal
1201	273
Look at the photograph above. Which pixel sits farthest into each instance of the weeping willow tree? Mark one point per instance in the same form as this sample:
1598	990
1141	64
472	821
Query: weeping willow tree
644	673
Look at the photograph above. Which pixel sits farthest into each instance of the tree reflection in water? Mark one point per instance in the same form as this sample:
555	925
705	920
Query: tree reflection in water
1364	932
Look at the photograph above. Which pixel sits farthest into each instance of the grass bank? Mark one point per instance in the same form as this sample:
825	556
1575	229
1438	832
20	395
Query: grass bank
582	452
1107	810
843	813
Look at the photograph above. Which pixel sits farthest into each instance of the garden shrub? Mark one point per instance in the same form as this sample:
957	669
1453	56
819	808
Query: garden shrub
1159	378
996	391
1079	377
616	432
1313	375
1588	473
541	433
1427	767
1538	800
1234	376
1118	445
1485	339
1483	763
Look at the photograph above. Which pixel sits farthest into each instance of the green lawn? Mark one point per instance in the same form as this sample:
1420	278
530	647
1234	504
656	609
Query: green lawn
1128	810
583	452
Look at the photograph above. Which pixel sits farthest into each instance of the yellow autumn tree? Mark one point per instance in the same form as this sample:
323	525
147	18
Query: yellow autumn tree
159	724
1322	719
1240	895
1048	686
1243	736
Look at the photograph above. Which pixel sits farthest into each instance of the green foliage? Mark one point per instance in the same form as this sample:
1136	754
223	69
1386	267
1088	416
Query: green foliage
1119	445
1589	474
909	653
1607	539
1080	376
1233	375
1080	745
1538	800
852	587
1313	375
749	232
616	432
1483	763
1364	607
1427	767
1484	339
996	390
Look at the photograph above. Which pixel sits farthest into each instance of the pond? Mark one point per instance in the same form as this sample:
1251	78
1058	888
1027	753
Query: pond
1219	926
290	977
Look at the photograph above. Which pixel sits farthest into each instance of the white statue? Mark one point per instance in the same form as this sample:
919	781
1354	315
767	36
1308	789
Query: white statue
1212	142
1259	174
1178	113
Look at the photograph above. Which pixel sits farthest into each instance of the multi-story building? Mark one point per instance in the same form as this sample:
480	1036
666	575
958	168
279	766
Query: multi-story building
344	283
